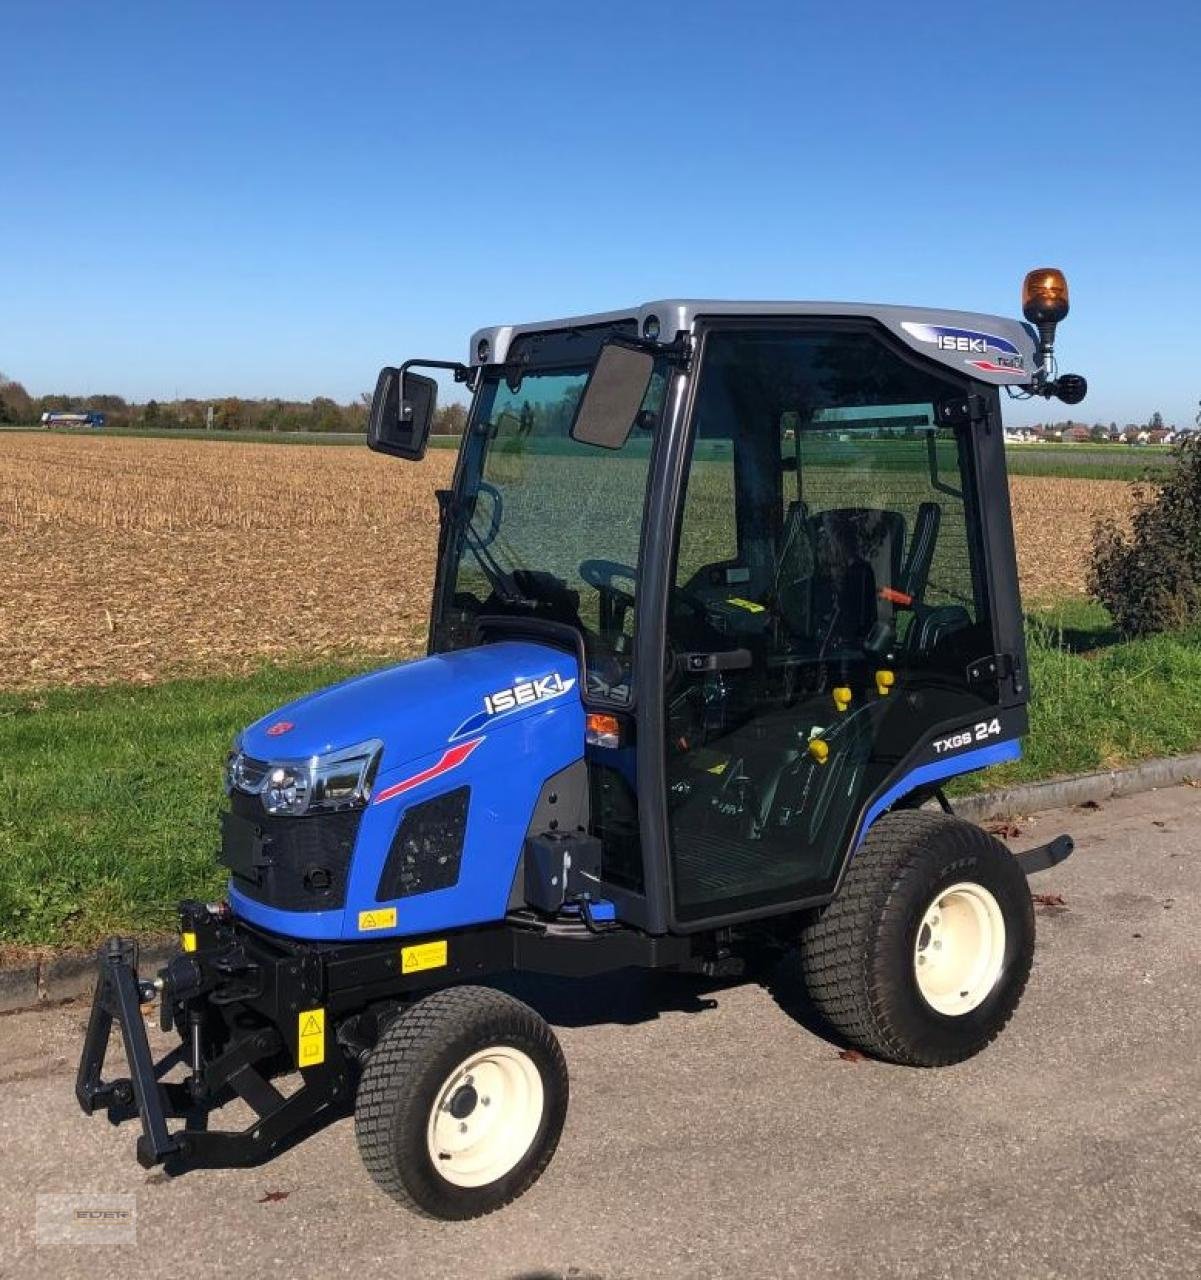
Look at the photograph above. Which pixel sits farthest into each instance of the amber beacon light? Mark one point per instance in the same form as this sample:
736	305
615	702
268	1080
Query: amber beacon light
1044	304
1045	296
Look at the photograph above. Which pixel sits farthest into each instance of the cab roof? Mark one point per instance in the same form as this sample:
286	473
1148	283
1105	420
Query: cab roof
995	349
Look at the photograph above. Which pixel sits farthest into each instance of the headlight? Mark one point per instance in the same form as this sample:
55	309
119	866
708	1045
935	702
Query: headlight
337	780
286	789
233	765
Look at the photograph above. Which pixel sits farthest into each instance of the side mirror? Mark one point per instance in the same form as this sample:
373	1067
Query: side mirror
402	411
613	395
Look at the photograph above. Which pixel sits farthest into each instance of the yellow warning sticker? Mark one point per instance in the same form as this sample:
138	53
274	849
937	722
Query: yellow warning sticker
188	940
380	918
749	605
719	769
310	1038
425	955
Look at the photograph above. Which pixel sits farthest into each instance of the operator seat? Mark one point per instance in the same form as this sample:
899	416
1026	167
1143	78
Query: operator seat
858	550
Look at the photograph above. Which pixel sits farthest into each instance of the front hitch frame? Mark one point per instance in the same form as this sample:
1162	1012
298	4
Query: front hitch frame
280	1121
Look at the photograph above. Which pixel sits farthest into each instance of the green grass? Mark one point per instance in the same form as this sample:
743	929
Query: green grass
109	799
109	796
1099	702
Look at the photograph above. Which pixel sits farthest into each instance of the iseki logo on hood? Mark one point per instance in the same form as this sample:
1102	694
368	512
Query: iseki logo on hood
526	693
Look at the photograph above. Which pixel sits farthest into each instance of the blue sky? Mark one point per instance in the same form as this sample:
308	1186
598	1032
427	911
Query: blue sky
261	199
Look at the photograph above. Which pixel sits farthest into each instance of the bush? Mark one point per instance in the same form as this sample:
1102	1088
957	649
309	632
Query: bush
1150	578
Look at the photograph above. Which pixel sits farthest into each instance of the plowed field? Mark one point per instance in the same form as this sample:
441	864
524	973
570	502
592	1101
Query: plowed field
128	559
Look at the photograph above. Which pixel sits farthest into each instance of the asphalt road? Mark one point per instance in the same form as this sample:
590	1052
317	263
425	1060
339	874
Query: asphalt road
710	1134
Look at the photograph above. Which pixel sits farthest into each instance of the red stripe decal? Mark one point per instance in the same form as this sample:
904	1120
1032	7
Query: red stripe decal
451	759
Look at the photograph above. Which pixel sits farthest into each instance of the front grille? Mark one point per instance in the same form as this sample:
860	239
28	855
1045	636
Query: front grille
427	849
304	862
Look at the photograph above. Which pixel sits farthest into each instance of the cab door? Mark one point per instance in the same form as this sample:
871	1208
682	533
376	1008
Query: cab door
829	608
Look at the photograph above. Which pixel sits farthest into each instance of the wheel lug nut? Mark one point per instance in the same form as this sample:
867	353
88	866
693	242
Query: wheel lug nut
485	1101
463	1127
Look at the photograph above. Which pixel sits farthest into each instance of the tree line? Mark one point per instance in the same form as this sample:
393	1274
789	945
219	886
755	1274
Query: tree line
230	413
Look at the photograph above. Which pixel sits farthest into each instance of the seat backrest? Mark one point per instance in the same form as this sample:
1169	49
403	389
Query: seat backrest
916	573
858	550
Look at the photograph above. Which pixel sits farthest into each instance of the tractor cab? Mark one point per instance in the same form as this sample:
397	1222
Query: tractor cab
777	540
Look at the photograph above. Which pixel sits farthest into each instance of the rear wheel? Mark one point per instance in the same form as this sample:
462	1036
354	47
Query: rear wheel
923	956
461	1103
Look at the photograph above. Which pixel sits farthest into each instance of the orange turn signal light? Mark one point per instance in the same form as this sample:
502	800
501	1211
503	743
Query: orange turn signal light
602	730
1045	296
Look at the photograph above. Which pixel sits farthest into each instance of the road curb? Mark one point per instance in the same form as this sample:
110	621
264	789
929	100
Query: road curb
55	976
68	975
1062	793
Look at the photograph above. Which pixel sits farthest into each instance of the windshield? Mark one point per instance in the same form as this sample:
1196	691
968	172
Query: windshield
544	526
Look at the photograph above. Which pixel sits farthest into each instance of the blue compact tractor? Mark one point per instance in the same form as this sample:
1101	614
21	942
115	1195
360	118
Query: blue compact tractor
725	593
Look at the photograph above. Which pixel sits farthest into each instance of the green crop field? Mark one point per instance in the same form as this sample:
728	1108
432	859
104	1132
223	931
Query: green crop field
1066	461
1089	461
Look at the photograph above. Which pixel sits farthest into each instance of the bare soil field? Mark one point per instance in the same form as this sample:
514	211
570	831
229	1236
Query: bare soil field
128	559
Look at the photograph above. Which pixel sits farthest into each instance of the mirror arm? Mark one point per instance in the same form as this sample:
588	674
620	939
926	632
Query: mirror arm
461	372
677	352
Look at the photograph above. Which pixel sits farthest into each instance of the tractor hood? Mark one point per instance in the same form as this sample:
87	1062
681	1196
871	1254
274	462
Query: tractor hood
418	707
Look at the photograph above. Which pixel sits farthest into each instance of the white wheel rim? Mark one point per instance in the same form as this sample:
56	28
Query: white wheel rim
485	1116
960	949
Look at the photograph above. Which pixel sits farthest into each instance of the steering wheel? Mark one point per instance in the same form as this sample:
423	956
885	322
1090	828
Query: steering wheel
483	540
601	574
614	602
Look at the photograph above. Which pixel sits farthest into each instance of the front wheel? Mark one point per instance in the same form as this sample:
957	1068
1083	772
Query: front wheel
461	1103
923	956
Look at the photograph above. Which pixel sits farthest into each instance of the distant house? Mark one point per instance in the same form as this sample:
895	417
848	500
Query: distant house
1160	435
1078	434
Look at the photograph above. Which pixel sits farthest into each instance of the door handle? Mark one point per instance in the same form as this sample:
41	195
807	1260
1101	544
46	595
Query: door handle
720	660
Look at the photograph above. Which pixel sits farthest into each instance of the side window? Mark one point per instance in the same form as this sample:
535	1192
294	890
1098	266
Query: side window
829	603
875	524
708	544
